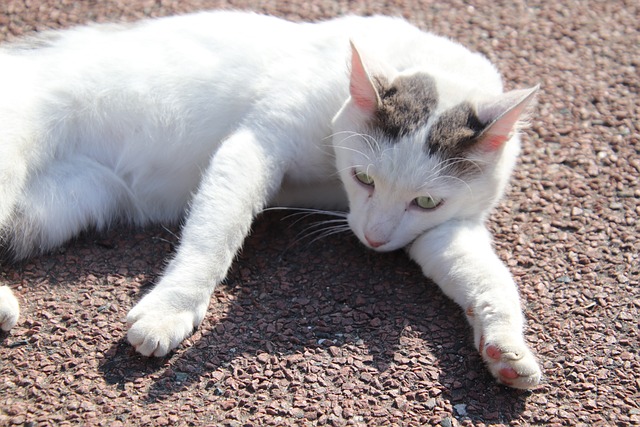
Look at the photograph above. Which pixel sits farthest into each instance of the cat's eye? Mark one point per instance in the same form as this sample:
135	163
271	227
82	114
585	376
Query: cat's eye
427	202
364	178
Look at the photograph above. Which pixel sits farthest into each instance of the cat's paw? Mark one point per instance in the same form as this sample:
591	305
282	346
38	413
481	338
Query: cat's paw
510	362
162	320
9	308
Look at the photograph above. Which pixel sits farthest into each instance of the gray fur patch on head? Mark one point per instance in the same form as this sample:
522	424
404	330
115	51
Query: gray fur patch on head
453	134
405	104
455	131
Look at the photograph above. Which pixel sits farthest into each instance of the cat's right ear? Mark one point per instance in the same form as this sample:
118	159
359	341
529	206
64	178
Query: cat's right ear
503	114
362	90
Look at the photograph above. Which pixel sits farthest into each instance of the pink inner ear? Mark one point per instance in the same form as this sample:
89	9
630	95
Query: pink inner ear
506	111
360	87
363	101
498	132
493	142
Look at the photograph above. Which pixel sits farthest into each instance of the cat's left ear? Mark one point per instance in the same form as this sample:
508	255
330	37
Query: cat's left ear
362	90
502	114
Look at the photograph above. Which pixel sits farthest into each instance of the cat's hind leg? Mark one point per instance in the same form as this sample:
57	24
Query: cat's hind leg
458	256
13	175
62	199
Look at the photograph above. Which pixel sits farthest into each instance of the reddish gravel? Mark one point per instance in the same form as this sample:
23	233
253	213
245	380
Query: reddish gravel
331	334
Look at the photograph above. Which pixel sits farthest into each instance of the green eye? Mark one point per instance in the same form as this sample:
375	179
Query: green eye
364	178
426	202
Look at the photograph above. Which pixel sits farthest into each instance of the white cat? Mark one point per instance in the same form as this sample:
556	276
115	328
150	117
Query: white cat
217	115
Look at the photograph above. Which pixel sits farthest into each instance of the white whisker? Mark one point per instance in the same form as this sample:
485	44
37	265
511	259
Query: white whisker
330	232
457	179
309	211
436	170
371	141
313	228
433	179
355	151
318	230
451	162
320	233
374	145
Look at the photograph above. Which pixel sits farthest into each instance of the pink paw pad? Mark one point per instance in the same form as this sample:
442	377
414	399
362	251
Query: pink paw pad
493	352
508	373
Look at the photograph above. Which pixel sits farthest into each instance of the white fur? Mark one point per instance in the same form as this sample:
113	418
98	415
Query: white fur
221	114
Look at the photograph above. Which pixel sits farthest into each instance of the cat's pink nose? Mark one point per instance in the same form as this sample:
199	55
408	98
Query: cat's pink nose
373	243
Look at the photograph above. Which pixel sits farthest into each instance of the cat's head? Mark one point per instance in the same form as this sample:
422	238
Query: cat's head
410	161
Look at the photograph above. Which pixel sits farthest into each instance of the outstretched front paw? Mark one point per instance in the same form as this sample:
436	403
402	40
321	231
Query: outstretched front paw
162	320
510	362
9	309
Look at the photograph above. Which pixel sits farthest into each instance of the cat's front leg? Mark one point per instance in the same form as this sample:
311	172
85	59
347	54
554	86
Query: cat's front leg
459	257
9	308
241	177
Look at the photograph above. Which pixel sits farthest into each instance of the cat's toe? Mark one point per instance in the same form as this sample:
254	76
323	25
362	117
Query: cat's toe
511	363
158	336
9	309
162	320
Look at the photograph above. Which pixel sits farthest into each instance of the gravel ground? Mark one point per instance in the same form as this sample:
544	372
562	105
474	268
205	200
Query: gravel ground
331	334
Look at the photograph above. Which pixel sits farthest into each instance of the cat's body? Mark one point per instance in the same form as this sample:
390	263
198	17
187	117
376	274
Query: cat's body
222	114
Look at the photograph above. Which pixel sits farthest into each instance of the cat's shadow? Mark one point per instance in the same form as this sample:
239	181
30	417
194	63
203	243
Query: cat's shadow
282	299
